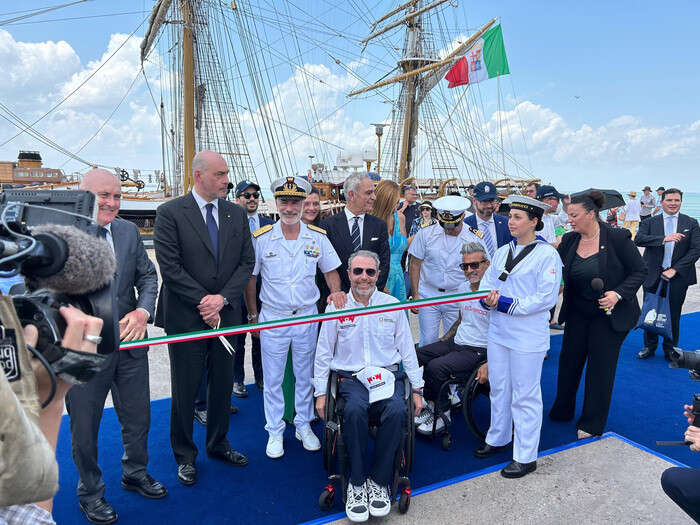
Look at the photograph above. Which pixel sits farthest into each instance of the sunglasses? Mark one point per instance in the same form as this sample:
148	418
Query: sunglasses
247	195
472	265
371	272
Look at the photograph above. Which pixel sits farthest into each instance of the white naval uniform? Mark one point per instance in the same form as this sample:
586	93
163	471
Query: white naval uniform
288	270
517	342
440	274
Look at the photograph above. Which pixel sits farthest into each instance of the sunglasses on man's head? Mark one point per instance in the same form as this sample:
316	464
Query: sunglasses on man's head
371	272
471	265
247	195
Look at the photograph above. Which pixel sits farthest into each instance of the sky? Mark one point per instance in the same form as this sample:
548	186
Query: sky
600	94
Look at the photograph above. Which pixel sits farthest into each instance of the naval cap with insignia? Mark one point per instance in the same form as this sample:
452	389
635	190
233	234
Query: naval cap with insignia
528	204
290	188
485	191
451	208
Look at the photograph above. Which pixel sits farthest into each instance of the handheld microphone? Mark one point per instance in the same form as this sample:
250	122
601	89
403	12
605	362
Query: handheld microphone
68	260
598	285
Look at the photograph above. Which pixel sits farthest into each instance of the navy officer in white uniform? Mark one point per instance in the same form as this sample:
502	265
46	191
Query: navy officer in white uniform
286	257
435	258
362	348
524	278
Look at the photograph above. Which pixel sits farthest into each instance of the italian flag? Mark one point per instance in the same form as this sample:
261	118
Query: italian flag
485	59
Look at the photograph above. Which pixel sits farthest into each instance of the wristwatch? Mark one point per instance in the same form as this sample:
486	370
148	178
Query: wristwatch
251	316
619	297
225	301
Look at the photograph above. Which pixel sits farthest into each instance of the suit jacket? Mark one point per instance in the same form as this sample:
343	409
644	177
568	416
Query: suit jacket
685	253
187	265
621	268
135	272
503	235
375	237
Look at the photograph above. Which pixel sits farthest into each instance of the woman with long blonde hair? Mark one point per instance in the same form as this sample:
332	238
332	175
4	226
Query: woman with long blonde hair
388	194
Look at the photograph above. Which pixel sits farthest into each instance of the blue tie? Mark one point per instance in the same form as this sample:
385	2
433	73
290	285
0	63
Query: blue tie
355	235
668	246
251	223
213	230
488	240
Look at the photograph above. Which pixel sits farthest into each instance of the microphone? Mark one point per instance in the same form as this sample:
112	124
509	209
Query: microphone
597	284
68	260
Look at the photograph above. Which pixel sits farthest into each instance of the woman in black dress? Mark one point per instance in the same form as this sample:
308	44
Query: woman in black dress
602	272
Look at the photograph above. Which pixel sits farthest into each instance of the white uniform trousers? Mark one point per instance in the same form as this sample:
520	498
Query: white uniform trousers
274	345
429	318
516	397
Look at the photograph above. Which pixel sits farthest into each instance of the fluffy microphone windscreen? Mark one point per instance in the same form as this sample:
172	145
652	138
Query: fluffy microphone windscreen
90	264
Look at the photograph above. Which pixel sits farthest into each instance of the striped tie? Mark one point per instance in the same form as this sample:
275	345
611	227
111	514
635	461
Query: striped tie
487	238
355	235
251	224
668	246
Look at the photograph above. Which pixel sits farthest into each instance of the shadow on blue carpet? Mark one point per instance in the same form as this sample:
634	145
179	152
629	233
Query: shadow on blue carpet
646	406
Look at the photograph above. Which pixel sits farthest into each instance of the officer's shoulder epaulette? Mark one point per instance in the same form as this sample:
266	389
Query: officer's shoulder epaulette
316	229
476	232
263	229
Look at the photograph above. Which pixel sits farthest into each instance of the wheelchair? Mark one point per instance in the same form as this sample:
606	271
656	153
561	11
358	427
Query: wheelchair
335	456
475	406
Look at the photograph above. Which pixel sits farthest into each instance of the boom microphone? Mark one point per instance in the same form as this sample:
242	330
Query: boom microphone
69	260
597	284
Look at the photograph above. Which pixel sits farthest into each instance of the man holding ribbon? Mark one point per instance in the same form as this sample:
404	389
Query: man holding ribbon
205	255
366	351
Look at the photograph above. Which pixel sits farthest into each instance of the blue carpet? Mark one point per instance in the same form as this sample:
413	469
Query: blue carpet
647	406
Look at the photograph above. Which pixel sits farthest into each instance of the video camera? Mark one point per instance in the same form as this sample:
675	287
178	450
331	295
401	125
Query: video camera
686	359
50	237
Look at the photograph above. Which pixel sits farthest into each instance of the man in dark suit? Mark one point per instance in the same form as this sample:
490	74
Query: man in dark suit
493	226
205	255
671	244
126	375
354	229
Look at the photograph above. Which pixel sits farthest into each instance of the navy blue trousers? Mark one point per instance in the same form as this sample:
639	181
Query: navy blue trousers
682	485
391	414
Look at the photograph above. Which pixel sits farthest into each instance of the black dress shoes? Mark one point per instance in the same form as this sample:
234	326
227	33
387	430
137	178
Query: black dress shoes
186	474
233	409
486	451
645	353
99	511
231	456
146	486
200	416
518	470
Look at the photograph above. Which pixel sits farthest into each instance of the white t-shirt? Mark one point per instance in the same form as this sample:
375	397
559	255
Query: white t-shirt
473	330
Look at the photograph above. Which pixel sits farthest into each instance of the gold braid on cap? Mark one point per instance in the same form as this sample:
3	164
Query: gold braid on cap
446	216
289	189
535	210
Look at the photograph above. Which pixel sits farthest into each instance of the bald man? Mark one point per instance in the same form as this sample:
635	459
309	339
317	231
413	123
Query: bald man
205	254
127	373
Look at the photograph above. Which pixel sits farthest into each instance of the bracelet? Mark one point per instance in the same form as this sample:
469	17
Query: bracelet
252	316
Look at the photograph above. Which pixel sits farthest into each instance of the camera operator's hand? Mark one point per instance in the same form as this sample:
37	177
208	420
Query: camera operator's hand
688	412
132	326
692	436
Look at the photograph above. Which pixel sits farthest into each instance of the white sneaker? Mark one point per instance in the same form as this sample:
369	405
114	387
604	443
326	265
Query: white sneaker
424	414
454	395
308	438
379	502
275	447
427	427
356	506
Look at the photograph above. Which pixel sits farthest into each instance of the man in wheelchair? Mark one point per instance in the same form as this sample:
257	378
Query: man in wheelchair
459	351
366	352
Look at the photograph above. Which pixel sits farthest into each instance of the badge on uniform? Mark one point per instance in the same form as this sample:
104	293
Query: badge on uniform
9	357
270	254
311	250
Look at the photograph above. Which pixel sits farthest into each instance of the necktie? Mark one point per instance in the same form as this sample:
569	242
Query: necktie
355	235
488	240
251	222
110	344
213	230
668	246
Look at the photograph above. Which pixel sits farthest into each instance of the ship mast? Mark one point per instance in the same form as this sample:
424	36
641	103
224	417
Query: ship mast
188	93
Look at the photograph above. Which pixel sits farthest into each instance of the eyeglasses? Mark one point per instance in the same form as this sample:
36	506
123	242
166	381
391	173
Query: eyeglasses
472	265
247	195
371	272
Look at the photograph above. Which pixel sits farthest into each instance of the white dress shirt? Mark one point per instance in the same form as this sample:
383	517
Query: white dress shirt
632	210
354	342
203	207
351	221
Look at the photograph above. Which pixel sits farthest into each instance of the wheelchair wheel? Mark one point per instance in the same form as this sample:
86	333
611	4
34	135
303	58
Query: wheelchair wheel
325	500
410	436
329	435
476	407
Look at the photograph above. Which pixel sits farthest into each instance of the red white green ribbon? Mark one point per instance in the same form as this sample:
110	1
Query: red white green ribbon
305	319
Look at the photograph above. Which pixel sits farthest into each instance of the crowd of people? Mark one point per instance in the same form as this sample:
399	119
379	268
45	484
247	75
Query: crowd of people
223	264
